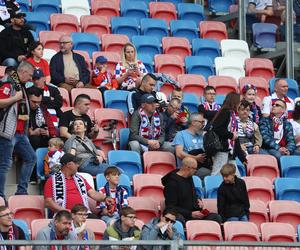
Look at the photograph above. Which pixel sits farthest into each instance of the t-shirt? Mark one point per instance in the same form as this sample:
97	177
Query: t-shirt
261	4
70	67
43	65
73	194
296	129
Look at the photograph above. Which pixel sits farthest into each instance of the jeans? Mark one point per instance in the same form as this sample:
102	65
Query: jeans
108	219
242	218
220	159
273	152
136	146
90	167
10	62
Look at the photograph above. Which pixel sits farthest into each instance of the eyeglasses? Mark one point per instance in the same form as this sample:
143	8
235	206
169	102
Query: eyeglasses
65	42
131	217
199	121
194	168
10	214
170	220
277	105
82	214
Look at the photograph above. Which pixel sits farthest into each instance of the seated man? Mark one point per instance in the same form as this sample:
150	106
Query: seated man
180	194
277	132
261	9
147	130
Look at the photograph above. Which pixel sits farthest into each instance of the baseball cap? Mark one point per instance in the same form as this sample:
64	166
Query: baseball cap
148	98
17	15
37	74
101	59
68	158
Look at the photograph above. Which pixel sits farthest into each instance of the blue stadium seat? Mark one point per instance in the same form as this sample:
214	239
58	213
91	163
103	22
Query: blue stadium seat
125	25
220	99
129	161
200	65
149	45
184	28
179	227
38	20
123	181
136	9
124	137
40	153
24	5
172	1
189	11
212	184
293	91
264	35
35	37
145	1
287	189
88	42
147	61
191	101
23	225
46	6
198	186
220	6
206	47
298	232
154	27
116	99
290	166
240	165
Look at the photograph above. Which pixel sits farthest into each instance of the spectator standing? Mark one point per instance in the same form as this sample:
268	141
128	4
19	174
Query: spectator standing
296	123
8	7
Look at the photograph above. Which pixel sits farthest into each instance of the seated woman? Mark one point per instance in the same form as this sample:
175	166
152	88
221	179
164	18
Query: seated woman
249	94
92	159
130	71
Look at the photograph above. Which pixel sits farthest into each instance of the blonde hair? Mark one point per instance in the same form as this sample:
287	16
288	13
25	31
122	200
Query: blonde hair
228	169
124	61
56	142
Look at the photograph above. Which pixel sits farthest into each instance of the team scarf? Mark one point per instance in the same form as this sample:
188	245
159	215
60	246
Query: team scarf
211	107
119	196
52	112
278	127
11	236
243	131
150	129
254	113
60	190
232	128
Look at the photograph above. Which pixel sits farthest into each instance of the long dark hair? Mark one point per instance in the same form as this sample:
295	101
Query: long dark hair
32	47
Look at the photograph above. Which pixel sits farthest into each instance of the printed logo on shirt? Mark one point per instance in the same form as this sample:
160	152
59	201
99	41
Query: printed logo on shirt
6	91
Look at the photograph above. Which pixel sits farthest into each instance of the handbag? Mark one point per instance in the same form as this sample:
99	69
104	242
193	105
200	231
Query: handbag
211	142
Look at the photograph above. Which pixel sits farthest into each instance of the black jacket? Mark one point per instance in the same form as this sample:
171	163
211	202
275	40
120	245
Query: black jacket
57	101
233	200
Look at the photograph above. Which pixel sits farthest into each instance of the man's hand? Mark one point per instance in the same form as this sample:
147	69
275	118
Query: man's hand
153	144
36	132
79	85
18	96
197	215
170	231
21	58
283	151
44	131
200	157
256	149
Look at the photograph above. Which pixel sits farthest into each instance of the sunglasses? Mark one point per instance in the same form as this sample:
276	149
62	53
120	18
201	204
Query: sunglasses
170	220
277	105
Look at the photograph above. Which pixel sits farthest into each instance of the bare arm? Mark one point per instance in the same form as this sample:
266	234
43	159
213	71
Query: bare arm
50	203
64	132
97	196
4	103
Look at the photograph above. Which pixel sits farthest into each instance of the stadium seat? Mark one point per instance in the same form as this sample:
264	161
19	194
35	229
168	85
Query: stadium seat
24	227
184	28
223	84
189	11
285	211
104	141
218	7
125	25
235	48
211	184
48	54
149	45
116	99
262	165
77	8
66	23
213	29
97	227
154	27
262	67
147	61
136	9
240	231
230	66
65	95
293	91
260	83
169	64
46	7
89	178
86	57
86	41
105	116
290	166
112	59
27	207
145	208
123	181
176	2
37	225
129	161
24	5
50	39
287	189
211	205
107	8
198	186
192	83
176	46
148	185
191	101
258	212
264	35
95	24
124	137
200	65
96	97
206	47
240	165
203	230
158	162
38	20
114	42
179	228
279	232
40	154
165	11
259	188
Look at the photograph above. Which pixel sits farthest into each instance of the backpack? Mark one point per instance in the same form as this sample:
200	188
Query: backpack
211	142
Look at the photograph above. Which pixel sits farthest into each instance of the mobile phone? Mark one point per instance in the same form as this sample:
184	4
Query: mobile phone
205	211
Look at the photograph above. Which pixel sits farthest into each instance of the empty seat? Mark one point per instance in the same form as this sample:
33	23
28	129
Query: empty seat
218	7
235	48
262	165
37	225
106	116
223	84
279	232
230	66
123	181
210	205
116	99
200	65
264	35
112	59
95	24
77	8
260	67
203	230
169	64
184	28
192	83
206	47
50	39
145	208
176	46
189	11
107	8
241	231
260	83
158	162
136	9
212	184
258	212
259	188
38	20
293	91
149	45
46	7
165	11
213	29
154	27
66	23
191	101
287	189
290	166
86	41
97	227
124	138
125	25
114	42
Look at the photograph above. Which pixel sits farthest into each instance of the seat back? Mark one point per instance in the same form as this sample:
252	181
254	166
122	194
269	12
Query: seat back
66	23
261	67
184	28
158	162
203	230
192	83
114	42
200	65
50	39
124	181
37	225
290	166
97	227
279	232
154	27
241	231
212	184
125	25
258	212
189	11
176	46
95	24
145	208
169	64
96	97
213	29
206	47
287	189
40	154
165	11
116	99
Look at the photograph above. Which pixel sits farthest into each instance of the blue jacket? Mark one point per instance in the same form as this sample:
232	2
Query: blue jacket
267	133
57	68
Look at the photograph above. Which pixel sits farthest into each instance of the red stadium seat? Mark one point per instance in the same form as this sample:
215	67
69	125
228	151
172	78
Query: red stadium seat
223	84
97	227
50	39
107	8
191	83
203	230
260	83
210	205
65	95
258	212
112	59
262	165
104	116
145	208
259	188
114	42
176	46
214	30
241	231
261	67
95	24
167	89
169	64
66	23
103	140
158	162
37	225
165	11
279	232
86	57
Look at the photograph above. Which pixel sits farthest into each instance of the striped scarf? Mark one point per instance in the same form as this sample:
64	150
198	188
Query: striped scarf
150	129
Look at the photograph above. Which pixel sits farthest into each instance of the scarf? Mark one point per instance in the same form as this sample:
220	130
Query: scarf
245	133
59	189
278	129
39	118
119	197
232	128
211	107
52	112
254	113
150	129
11	236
